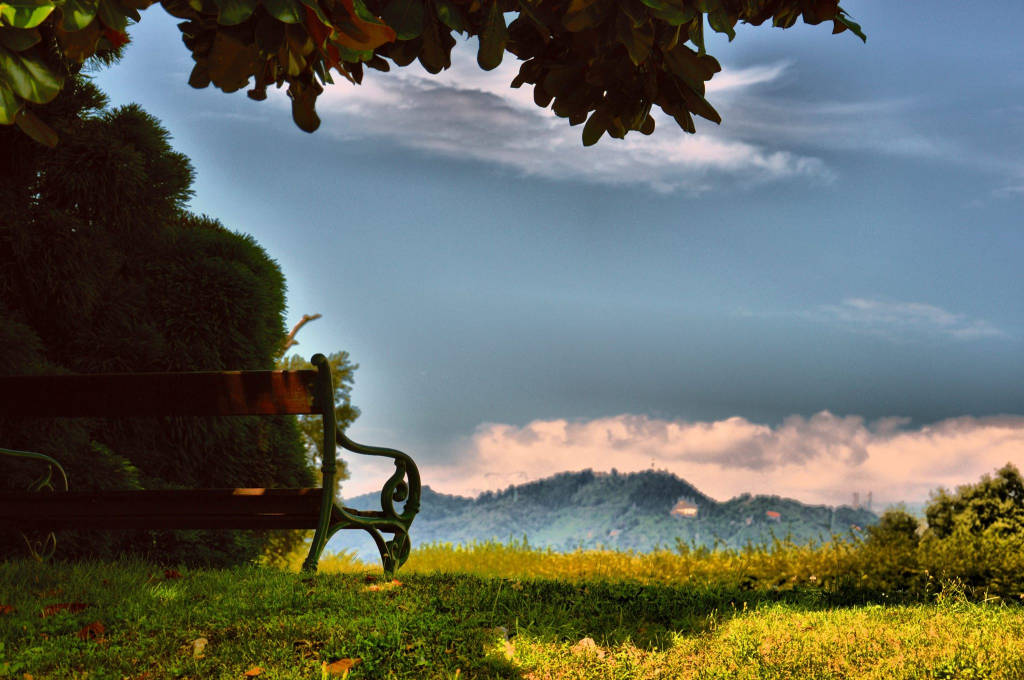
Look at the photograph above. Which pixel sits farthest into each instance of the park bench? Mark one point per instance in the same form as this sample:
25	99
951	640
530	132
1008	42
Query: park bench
223	393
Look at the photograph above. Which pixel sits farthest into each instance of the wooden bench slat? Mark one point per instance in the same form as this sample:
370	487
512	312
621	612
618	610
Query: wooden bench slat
211	393
164	509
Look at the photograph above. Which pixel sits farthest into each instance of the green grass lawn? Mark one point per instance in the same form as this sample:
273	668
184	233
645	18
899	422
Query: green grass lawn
131	620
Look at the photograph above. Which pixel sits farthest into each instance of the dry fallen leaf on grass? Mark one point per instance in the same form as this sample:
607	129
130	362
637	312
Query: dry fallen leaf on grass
72	607
198	645
508	650
339	667
384	586
92	631
6	609
588	646
253	672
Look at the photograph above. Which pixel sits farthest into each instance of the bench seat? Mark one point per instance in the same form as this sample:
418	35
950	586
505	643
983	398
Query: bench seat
217	393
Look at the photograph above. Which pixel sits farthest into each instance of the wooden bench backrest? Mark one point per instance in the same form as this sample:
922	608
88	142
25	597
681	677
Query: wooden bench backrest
215	393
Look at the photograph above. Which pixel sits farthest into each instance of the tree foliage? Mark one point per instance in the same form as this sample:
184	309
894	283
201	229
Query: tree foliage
976	534
993	505
103	270
602	62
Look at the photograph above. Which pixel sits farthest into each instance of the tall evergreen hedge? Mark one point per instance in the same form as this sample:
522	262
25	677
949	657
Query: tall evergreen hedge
103	270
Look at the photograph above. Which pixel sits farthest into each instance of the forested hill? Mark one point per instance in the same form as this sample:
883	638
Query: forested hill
638	511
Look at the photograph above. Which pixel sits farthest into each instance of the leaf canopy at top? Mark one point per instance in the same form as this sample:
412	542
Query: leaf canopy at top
605	63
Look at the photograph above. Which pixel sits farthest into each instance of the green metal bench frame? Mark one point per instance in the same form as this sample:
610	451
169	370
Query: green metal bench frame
206	393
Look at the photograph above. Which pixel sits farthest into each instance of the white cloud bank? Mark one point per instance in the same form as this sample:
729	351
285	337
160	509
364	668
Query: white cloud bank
466	113
821	459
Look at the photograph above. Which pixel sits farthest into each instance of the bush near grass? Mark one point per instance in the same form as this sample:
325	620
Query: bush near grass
881	568
977	540
842	570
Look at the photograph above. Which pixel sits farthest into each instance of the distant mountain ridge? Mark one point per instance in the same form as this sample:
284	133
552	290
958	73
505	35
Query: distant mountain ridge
637	511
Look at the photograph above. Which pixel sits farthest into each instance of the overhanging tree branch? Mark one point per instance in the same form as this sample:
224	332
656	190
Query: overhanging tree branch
603	62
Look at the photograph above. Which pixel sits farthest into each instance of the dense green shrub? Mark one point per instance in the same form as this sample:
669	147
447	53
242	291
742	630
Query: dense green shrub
976	535
102	269
992	505
887	558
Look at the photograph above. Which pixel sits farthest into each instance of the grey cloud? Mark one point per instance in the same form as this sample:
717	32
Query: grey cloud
905	320
475	123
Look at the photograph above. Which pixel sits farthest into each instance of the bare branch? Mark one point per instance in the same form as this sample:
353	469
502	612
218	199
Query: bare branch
290	341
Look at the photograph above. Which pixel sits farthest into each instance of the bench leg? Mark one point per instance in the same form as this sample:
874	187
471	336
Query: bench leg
393	553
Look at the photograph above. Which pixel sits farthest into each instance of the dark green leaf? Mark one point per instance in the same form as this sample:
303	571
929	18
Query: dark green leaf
843	18
634	10
288	11
200	77
541	97
181	9
77	14
363	12
35	128
434	57
10	104
493	38
638	40
695	31
113	16
304	106
692	68
786	17
723	22
685	121
405	16
25	13
596	126
584	14
269	34
671	13
318	11
563	80
233	12
350	55
696	103
81	44
451	15
28	76
18	39
231	62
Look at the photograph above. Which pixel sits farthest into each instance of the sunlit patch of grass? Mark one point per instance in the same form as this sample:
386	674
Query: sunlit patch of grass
783	641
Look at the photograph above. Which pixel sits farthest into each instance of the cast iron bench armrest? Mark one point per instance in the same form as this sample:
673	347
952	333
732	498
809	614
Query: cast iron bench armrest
396	490
44	481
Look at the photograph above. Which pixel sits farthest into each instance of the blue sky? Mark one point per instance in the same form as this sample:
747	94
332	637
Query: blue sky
817	297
